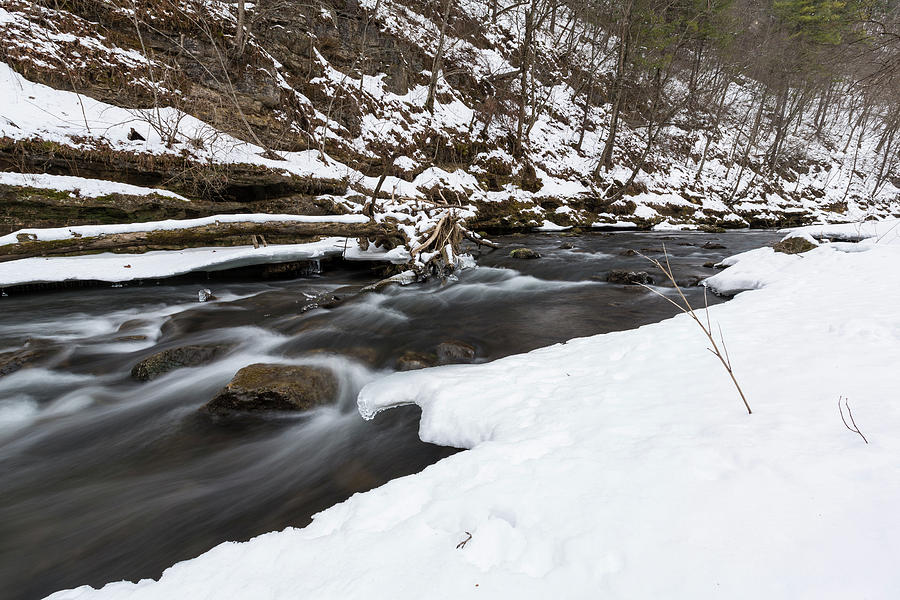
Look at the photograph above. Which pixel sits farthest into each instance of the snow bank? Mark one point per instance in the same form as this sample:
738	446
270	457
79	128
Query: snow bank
551	226
850	232
751	270
82	186
154	265
763	266
624	466
64	233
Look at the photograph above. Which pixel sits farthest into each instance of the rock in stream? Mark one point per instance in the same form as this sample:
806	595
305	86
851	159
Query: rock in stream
175	358
274	387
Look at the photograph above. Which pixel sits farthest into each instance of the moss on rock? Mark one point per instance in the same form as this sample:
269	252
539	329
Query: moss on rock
273	387
794	245
175	358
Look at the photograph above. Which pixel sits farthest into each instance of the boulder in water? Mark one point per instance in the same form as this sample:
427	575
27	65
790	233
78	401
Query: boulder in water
175	358
629	277
273	387
205	295
455	352
524	253
131	338
10	362
410	361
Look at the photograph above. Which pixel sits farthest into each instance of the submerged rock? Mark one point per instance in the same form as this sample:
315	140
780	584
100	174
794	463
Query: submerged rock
363	354
273	387
10	362
565	246
325	300
794	245
411	360
455	352
131	338
629	277
524	253
712	246
175	358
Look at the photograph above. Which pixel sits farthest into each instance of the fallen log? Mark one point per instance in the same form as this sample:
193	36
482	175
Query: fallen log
214	234
480	240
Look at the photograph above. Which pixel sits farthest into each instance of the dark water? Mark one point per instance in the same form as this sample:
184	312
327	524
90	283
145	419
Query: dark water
104	478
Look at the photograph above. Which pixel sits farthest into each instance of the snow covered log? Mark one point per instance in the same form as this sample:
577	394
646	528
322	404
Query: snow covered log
212	234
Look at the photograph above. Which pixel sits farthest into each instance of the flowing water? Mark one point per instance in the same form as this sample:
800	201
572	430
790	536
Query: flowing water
104	478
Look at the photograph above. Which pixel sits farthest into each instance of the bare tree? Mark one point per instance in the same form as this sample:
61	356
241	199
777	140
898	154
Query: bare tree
438	60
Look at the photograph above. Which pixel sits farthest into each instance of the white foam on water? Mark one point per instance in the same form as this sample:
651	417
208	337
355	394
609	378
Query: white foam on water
17	411
36	378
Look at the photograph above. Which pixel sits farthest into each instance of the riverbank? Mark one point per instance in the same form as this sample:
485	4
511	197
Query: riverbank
625	464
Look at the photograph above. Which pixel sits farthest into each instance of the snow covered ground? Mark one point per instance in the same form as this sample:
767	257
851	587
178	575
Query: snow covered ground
81	186
625	466
758	268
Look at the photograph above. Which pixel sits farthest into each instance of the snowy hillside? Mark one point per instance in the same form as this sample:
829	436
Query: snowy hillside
367	122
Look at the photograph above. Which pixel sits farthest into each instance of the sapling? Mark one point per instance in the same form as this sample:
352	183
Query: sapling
720	353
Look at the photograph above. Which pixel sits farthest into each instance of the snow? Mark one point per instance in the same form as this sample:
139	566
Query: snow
81	186
624	465
31	110
550	226
63	233
761	267
669	226
158	264
849	231
751	270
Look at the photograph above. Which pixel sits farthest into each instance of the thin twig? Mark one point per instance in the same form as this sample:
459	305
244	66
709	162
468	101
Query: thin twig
463	543
686	308
855	428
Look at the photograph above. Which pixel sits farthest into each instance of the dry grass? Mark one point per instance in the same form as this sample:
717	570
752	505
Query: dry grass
685	306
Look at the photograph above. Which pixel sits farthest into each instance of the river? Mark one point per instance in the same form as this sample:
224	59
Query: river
103	477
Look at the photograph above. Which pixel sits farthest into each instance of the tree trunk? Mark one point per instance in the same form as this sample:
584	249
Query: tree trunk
587	109
714	128
695	74
780	128
606	159
438	60
651	132
524	67
754	132
863	120
239	34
